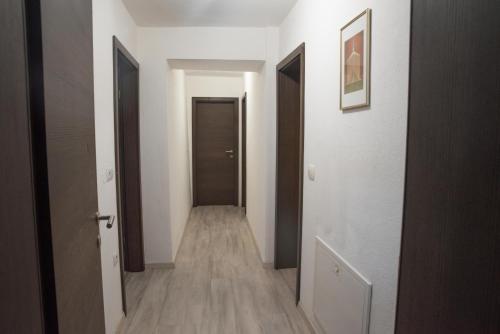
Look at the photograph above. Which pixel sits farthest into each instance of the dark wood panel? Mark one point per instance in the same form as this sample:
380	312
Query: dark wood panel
450	268
121	58
288	177
215	132
20	279
290	162
69	117
244	151
130	178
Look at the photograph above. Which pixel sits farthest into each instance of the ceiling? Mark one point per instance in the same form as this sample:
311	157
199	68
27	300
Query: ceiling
207	13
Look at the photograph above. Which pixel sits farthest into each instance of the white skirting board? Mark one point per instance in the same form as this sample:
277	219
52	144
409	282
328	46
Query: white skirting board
342	296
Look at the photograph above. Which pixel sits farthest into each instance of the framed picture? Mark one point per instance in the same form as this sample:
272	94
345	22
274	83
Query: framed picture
355	54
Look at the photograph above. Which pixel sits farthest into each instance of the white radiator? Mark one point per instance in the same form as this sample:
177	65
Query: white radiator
342	296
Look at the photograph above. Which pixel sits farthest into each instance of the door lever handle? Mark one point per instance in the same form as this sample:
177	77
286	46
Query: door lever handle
110	219
230	151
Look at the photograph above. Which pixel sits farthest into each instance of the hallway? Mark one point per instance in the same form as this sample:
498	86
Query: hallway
250	166
218	285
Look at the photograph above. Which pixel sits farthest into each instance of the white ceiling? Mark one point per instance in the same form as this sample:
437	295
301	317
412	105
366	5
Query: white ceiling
206	13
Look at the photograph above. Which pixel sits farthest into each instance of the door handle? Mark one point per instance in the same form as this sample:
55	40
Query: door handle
230	151
110	219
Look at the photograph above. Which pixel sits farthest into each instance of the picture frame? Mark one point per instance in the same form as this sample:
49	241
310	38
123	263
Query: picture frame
355	62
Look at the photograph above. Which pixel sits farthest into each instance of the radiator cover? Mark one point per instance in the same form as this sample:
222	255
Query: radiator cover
342	296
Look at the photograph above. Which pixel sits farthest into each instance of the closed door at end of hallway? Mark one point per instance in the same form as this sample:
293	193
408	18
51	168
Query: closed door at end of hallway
215	151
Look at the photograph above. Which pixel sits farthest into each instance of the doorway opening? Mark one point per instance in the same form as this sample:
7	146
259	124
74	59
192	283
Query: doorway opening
127	160
290	167
215	151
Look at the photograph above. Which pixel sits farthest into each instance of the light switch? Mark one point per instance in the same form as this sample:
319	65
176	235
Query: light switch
108	175
311	172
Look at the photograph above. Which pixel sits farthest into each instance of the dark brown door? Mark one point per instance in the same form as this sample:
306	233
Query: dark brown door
128	149
450	260
289	162
21	309
68	81
215	151
244	151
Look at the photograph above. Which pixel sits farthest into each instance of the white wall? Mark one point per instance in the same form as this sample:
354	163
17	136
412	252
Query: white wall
256	195
158	135
267	156
179	195
109	18
213	84
261	160
261	150
356	202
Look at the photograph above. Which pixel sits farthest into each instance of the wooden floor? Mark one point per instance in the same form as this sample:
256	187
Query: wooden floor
218	285
290	277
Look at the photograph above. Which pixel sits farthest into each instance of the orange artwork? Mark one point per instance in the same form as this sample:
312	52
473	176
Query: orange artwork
354	63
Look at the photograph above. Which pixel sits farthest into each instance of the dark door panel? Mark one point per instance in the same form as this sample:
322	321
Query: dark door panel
288	176
215	151
71	161
129	164
450	258
21	297
244	151
290	162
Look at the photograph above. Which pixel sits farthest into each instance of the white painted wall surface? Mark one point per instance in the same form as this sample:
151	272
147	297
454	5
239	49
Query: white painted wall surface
213	84
256	194
156	46
179	194
261	150
267	157
109	18
356	202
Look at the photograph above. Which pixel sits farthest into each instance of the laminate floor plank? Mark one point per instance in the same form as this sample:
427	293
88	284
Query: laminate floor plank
135	285
218	285
290	277
147	314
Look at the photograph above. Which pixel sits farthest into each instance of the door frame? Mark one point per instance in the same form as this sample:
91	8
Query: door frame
194	110
119	49
244	152
299	52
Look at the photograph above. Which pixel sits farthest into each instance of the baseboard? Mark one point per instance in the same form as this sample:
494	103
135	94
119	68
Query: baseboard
310	324
169	265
